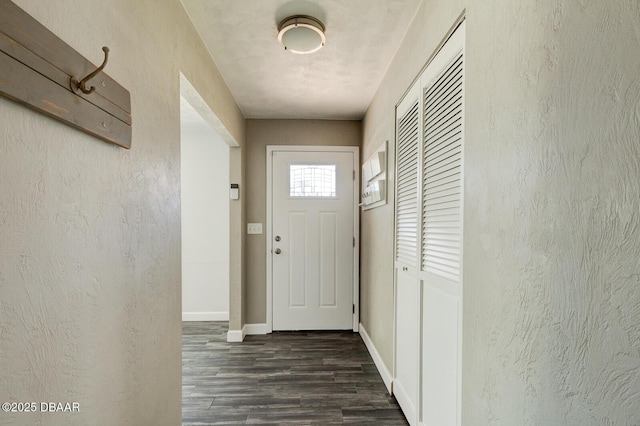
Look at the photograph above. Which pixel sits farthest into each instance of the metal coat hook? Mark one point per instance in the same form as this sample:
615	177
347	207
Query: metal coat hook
82	84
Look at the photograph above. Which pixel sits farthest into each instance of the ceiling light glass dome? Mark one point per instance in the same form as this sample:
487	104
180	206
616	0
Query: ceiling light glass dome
301	34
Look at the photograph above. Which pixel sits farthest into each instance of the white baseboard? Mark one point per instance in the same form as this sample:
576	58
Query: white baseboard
247	330
387	378
253	329
205	316
235	336
408	409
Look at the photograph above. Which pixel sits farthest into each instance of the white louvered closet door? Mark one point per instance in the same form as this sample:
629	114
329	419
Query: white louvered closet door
441	233
407	187
428	245
406	385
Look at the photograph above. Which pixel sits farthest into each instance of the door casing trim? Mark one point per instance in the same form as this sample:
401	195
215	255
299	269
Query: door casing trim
355	319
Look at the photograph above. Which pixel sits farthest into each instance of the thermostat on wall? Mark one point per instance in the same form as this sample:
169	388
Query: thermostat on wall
235	191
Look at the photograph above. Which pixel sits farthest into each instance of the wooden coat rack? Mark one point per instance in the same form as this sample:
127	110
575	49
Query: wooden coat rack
42	72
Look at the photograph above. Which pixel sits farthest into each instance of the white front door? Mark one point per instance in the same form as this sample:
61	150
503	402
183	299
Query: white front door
312	239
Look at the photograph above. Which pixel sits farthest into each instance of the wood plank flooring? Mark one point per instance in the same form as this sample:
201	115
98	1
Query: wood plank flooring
298	378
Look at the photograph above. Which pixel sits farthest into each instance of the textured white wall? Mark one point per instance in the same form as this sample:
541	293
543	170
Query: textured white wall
552	222
204	167
90	233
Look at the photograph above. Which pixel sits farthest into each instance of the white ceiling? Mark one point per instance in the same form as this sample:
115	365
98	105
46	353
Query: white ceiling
337	82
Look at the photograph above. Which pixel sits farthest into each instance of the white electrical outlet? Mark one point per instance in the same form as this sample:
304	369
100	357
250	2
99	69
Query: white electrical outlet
254	228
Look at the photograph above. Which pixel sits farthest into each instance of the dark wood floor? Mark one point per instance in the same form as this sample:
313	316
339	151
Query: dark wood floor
299	378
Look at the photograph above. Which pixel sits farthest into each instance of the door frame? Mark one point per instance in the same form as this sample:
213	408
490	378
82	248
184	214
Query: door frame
356	223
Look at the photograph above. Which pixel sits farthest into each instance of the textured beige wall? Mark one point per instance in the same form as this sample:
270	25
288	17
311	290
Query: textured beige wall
431	23
552	222
259	134
194	57
237	241
90	233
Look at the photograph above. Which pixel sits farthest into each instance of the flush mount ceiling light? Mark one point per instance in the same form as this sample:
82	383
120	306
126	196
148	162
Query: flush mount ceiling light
301	34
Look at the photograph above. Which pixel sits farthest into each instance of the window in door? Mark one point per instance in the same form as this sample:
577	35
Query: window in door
312	180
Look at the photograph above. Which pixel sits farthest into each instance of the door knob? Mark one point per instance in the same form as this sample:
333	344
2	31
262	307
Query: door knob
277	237
278	251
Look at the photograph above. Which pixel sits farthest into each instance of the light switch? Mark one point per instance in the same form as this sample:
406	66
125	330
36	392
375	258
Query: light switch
254	228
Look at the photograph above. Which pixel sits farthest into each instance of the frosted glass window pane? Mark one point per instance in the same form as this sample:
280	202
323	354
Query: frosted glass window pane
310	180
